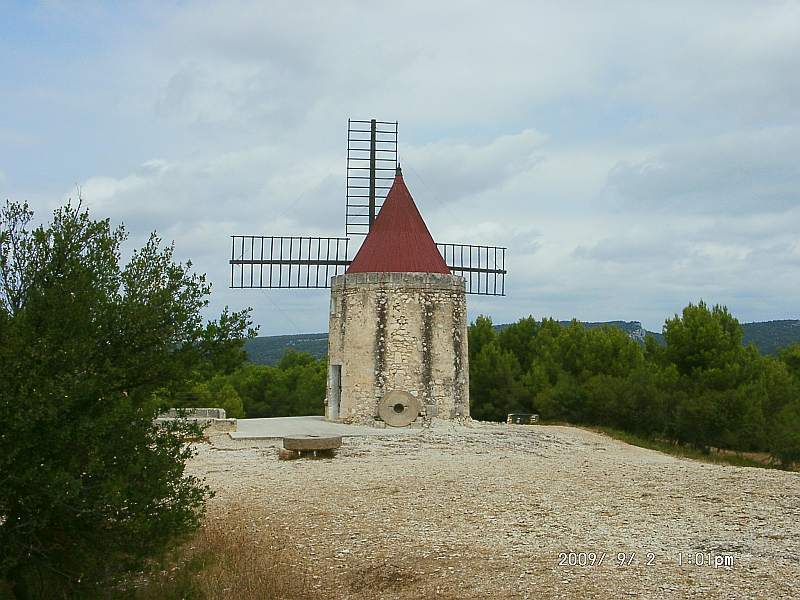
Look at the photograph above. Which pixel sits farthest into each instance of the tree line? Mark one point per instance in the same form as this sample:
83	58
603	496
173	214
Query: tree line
703	387
293	387
700	387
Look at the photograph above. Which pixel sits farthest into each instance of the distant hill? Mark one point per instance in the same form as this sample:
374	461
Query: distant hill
769	337
268	350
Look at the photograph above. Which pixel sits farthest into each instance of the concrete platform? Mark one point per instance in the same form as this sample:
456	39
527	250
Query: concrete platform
280	427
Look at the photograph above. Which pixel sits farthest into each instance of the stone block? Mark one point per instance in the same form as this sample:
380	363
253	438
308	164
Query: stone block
309	443
284	454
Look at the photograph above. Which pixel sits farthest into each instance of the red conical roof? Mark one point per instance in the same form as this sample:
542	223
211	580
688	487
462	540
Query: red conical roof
399	241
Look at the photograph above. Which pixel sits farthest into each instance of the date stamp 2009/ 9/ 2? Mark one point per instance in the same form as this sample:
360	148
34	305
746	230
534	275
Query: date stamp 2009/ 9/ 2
596	559
645	559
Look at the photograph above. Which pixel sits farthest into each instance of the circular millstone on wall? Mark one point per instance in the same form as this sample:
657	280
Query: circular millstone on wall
398	408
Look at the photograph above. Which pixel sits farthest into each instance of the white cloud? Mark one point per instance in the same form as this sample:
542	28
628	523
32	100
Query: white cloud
455	171
740	172
632	157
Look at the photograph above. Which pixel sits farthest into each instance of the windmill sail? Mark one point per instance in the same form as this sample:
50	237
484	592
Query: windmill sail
399	241
286	261
310	262
482	267
371	160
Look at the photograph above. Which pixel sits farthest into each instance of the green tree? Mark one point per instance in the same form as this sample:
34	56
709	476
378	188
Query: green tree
785	435
480	333
565	400
251	382
647	400
696	418
535	382
294	387
89	488
573	349
300	384
702	387
781	387
610	351
790	356
605	400
654	352
495	388
702	338
217	392
520	339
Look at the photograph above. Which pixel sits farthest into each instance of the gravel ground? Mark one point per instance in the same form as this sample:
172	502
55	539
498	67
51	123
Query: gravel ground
487	511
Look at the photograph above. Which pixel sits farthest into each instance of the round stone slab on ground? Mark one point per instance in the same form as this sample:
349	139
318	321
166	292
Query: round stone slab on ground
309	443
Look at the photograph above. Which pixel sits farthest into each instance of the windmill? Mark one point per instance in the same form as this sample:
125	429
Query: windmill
397	343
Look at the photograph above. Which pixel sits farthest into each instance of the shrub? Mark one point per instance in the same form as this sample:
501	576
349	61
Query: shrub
89	489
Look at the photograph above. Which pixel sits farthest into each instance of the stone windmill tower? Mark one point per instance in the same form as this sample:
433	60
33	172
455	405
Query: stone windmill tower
397	342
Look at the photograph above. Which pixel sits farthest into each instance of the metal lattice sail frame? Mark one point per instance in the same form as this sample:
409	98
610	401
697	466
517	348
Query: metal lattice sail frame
371	161
259	261
272	262
482	267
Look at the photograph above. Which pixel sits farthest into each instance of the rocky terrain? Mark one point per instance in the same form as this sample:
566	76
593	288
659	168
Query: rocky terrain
494	511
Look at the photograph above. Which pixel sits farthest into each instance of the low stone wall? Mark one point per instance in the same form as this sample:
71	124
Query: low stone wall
212	420
207	413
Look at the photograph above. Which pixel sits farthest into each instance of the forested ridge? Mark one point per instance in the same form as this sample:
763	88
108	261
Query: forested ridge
768	336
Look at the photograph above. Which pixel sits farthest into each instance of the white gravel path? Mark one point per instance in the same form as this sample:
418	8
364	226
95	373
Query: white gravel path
486	511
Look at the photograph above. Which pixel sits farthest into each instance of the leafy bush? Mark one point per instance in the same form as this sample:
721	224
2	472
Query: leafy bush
89	488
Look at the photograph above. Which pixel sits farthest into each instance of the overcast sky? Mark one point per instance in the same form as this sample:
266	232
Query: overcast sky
633	157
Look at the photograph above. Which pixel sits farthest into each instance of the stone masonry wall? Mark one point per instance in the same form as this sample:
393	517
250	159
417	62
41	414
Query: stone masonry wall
399	331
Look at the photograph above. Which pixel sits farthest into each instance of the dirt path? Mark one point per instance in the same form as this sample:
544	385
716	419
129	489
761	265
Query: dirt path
486	512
